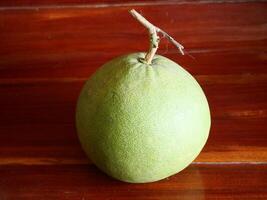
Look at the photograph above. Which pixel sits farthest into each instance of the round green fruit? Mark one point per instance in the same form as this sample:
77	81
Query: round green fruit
142	122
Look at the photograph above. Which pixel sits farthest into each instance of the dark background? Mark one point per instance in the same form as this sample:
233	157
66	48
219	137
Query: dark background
49	48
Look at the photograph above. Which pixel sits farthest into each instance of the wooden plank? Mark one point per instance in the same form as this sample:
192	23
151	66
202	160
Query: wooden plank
226	38
105	3
87	182
37	116
49	48
87	3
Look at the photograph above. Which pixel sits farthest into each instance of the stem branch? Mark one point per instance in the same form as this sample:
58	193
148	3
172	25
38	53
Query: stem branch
154	38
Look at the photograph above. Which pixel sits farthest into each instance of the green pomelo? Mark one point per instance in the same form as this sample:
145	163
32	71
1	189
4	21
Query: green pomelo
141	123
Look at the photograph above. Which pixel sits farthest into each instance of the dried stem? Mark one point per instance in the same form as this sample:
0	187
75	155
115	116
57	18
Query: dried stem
154	38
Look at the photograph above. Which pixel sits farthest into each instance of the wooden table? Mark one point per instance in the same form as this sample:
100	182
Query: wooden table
49	48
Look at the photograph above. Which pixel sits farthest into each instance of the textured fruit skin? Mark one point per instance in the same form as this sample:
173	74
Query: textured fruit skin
141	123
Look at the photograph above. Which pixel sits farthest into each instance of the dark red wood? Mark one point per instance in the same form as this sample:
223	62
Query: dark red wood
49	48
39	117
86	182
93	3
73	42
102	3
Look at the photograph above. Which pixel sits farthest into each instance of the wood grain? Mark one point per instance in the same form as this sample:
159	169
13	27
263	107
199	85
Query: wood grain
83	3
49	48
82	182
43	112
73	42
103	3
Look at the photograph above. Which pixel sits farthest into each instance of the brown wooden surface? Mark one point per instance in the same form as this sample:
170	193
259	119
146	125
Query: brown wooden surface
197	182
83	3
48	51
106	3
